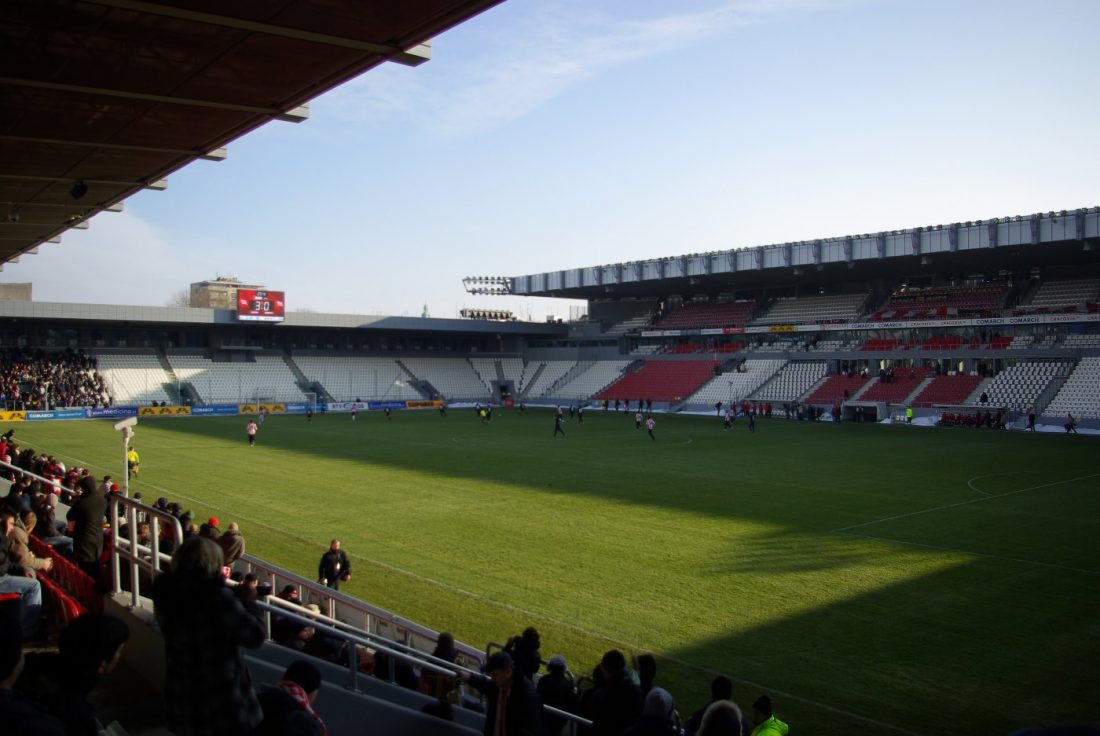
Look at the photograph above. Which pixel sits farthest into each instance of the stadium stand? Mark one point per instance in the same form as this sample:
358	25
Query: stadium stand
881	345
454	378
1072	295
1022	384
538	382
905	381
633	324
947	390
708	314
267	378
819	309
943	343
346	378
985	300
1080	394
135	378
833	389
1081	341
736	384
39	379
793	381
1018	342
661	381
486	369
512	369
590	381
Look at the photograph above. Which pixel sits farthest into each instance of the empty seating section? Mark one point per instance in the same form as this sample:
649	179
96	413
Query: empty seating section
134	379
943	301
662	380
709	314
881	345
1081	341
347	378
553	371
591	381
645	350
486	369
1023	384
833	390
947	390
780	346
829	346
1020	341
454	378
1054	296
813	309
1080	394
632	324
268	378
943	343
736	385
792	382
906	381
512	368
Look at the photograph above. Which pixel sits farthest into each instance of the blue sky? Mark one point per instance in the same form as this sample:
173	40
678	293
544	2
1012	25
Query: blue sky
552	134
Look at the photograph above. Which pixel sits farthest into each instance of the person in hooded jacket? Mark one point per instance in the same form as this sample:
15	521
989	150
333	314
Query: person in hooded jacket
288	705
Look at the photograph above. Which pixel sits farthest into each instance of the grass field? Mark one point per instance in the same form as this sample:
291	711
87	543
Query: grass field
872	579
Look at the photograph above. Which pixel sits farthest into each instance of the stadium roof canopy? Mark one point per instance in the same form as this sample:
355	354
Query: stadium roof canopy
100	99
1065	239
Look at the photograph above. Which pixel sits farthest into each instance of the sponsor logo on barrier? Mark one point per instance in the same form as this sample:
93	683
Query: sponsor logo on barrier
12	416
423	404
107	412
221	410
38	416
380	405
781	328
272	408
247	408
163	411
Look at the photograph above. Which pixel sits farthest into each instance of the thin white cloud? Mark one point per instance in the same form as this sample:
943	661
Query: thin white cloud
545	52
120	259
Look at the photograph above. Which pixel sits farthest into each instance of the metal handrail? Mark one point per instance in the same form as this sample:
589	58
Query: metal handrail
369	616
139	556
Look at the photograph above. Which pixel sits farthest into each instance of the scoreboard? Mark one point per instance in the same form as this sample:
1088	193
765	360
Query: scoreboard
260	305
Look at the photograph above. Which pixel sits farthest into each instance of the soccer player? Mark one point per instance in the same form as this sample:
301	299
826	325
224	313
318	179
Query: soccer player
387	410
752	421
580	414
251	429
354	411
638	420
309	413
133	462
263	415
727	419
649	425
557	423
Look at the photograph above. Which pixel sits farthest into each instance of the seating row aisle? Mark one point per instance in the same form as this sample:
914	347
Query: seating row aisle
793	381
455	378
134	379
1022	384
906	381
591	381
947	390
1080	394
535	384
347	378
229	383
735	385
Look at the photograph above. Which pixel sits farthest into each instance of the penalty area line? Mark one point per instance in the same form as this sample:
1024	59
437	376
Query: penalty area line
962	503
986	555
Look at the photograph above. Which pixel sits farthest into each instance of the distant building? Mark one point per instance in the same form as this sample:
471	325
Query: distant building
15	292
219	293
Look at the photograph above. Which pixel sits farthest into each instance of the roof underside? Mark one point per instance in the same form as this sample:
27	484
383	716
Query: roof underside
103	98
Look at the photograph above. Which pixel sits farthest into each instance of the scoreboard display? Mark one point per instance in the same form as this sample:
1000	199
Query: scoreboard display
259	305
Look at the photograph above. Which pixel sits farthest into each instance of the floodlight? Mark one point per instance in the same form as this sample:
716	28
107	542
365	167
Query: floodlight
79	190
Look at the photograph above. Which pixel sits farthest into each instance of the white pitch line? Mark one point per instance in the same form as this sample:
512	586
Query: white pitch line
963	503
973	554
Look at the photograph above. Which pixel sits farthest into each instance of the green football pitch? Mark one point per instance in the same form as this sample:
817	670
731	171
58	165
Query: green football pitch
871	579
